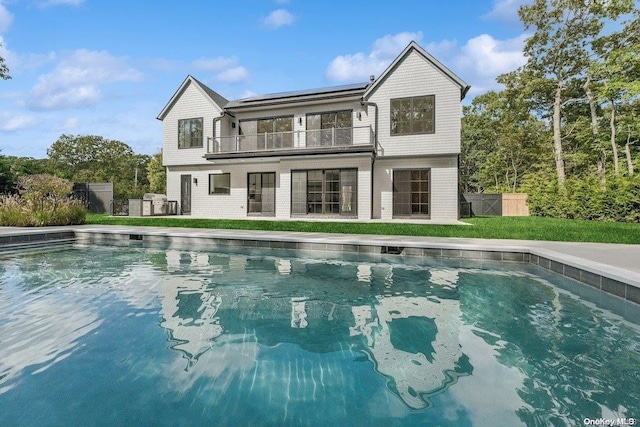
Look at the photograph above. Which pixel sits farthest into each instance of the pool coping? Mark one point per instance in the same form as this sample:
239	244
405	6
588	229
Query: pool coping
621	282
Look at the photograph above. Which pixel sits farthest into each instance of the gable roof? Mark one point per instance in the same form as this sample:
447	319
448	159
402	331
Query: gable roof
217	99
411	47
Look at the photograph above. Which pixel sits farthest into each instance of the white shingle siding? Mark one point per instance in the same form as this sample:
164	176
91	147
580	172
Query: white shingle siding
443	186
234	205
193	103
414	75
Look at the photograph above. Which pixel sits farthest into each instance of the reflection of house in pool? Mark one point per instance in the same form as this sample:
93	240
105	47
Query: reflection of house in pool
189	309
411	340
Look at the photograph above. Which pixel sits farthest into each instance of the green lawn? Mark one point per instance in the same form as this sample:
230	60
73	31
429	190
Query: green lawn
524	228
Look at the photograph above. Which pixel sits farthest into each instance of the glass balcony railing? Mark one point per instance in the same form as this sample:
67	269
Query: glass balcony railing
304	139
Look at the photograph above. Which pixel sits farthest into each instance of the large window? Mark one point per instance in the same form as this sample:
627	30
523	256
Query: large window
261	192
413	115
329	129
411	190
220	183
190	133
324	192
266	134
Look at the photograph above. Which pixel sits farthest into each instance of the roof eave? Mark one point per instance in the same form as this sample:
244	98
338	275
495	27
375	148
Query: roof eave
188	80
464	87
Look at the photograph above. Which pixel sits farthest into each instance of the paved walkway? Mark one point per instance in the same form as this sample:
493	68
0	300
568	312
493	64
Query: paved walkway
621	262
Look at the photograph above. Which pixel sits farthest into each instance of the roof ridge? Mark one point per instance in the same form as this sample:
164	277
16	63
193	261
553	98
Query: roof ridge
215	96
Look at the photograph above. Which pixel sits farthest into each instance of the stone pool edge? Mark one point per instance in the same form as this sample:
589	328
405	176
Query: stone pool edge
613	280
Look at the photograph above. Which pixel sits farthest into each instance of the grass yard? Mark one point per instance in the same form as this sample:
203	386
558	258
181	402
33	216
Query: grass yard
521	228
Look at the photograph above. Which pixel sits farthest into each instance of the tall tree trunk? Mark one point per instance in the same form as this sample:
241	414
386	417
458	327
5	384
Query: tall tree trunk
594	126
614	146
557	137
627	152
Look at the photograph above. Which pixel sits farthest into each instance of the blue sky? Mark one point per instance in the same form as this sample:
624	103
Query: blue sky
107	67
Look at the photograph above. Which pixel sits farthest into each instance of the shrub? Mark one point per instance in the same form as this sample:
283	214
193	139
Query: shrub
43	200
614	198
12	211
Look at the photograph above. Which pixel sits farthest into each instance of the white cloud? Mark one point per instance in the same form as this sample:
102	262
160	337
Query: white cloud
227	70
6	18
16	123
483	58
24	62
214	64
505	11
247	94
479	61
75	81
233	75
360	66
69	125
278	18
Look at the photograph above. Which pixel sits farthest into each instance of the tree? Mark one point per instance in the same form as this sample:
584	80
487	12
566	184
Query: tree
91	158
501	140
6	177
4	70
617	74
12	168
157	174
558	51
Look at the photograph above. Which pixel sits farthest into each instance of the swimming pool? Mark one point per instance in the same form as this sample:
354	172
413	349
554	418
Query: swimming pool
109	335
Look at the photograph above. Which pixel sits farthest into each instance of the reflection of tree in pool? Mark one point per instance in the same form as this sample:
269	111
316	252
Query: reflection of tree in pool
576	359
64	267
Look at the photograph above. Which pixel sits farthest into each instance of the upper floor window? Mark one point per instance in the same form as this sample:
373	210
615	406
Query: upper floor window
266	134
332	128
413	115
190	133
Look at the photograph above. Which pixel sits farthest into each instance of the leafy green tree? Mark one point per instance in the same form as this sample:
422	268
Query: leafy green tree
91	158
157	174
6	177
4	70
12	168
616	71
501	140
559	51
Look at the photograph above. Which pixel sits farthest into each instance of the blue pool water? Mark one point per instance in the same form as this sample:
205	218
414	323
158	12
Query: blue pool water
105	335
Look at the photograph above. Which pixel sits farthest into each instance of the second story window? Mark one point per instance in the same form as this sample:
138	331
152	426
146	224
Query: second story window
190	133
332	128
266	134
414	115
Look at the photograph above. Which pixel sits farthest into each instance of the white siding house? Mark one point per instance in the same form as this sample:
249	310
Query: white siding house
385	149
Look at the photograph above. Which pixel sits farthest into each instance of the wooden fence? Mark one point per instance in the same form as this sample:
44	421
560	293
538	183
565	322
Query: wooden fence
514	204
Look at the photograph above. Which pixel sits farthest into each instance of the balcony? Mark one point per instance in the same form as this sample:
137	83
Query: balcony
359	139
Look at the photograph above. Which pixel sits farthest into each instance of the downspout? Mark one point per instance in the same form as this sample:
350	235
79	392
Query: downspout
375	145
215	122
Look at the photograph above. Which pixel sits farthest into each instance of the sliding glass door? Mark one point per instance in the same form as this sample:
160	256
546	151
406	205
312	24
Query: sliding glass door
261	189
411	193
324	192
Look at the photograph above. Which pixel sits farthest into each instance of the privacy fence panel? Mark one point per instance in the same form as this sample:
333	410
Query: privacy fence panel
514	204
97	195
484	204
